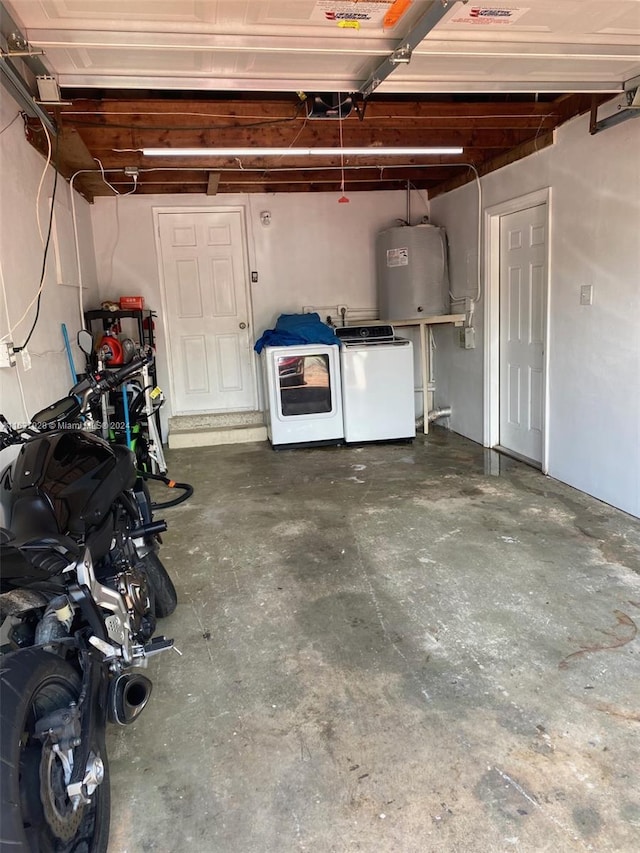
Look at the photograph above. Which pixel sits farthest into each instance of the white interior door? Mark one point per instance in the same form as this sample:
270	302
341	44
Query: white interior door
204	273
523	287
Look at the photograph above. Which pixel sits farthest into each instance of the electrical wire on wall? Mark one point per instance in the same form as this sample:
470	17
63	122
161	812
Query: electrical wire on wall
478	294
134	175
16	372
74	219
46	244
13	121
473	301
425	218
41	182
476	298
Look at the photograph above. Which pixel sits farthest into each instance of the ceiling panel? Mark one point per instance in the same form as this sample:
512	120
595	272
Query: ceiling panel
550	67
105	13
212	15
281	65
543	19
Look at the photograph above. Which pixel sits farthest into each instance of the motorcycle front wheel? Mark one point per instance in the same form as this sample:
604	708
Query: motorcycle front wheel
37	815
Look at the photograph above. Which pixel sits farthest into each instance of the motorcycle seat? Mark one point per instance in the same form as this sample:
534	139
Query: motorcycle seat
18	569
48	555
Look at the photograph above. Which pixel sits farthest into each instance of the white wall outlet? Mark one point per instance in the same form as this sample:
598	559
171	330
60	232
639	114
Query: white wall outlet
7	355
26	359
586	294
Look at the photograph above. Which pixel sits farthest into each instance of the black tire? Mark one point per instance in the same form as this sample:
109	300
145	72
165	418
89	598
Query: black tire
33	683
164	592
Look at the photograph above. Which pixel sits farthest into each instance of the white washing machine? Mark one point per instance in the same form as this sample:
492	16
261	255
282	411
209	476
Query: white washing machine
303	394
377	384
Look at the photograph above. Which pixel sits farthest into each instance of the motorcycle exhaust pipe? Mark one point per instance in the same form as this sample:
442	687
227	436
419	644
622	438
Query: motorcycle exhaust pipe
128	696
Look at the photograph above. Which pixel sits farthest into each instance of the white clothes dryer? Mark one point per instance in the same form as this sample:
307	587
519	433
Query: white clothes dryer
303	393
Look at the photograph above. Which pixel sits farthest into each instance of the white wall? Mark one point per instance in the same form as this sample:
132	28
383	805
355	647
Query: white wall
315	252
21	254
594	352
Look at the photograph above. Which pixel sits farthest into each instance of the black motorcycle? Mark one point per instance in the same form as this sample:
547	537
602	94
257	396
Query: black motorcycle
83	585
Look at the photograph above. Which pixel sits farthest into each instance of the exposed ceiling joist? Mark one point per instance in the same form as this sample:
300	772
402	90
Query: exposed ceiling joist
493	133
495	80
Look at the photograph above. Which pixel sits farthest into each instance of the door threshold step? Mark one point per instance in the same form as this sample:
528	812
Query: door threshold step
216	419
207	436
205	429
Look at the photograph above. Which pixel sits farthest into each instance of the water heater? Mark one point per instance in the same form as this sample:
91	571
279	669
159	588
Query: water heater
412	273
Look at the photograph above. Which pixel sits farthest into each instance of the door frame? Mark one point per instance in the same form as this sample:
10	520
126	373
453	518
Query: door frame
491	437
236	208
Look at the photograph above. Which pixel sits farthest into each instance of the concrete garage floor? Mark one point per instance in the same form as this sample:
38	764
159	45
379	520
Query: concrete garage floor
408	648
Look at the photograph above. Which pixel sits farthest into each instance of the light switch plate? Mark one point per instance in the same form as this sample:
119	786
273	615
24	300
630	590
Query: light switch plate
586	294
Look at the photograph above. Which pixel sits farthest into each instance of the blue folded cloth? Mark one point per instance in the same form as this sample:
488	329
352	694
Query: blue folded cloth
292	329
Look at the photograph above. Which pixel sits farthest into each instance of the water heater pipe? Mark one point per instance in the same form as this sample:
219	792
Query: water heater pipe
434	414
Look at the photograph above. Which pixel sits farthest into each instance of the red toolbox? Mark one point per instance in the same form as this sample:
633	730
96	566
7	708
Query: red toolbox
131	303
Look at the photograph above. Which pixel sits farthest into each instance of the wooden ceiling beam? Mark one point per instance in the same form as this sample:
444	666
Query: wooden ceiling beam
418	176
108	139
171	123
68	149
327	187
289	175
197	114
288	106
244	186
167	179
279	108
493	132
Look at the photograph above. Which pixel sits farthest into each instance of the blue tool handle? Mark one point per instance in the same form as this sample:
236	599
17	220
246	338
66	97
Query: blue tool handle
74	375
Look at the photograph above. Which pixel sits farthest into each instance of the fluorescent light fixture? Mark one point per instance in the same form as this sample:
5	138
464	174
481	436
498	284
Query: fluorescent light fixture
371	151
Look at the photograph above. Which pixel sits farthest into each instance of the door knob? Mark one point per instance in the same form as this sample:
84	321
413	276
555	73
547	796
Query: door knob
243	325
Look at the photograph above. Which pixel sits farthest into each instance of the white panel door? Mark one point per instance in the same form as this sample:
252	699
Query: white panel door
523	287
204	273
